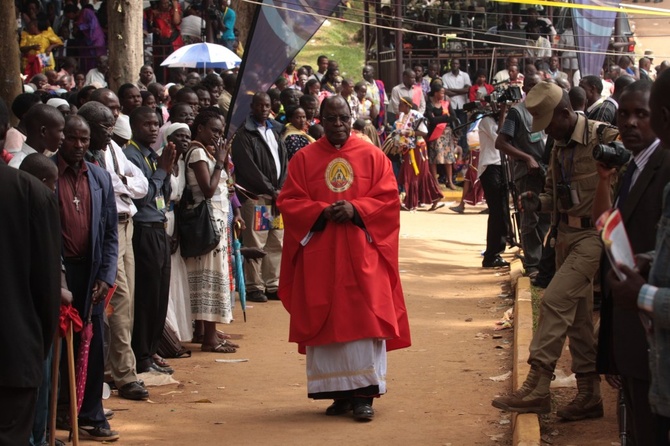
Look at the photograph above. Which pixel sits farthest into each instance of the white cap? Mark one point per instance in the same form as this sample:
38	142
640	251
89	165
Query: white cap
57	102
122	127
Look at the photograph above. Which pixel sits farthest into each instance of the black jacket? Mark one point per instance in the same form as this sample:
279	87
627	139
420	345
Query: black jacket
622	343
255	168
30	273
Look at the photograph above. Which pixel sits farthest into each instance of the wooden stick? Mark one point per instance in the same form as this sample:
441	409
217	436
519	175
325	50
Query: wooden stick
74	424
53	403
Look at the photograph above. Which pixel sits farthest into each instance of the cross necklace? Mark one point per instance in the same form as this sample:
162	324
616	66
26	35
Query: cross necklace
75	186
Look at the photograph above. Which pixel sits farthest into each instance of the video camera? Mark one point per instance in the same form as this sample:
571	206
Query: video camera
505	95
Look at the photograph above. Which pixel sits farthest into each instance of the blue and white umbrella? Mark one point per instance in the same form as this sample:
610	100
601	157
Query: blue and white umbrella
202	55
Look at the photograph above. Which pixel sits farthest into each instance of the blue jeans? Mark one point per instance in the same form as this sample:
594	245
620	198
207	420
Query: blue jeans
38	436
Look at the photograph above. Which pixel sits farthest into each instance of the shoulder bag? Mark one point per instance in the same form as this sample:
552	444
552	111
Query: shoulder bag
196	226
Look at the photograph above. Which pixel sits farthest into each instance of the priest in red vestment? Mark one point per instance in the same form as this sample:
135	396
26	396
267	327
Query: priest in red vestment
339	270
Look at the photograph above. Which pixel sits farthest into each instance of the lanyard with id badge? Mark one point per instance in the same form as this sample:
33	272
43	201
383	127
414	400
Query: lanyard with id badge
160	198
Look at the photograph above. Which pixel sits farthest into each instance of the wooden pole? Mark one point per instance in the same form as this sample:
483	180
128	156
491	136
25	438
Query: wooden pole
53	402
125	41
10	70
74	420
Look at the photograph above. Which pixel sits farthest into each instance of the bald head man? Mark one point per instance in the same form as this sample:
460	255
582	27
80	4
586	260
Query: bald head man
109	99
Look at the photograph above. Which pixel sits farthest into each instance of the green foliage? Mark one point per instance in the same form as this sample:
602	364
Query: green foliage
536	297
339	41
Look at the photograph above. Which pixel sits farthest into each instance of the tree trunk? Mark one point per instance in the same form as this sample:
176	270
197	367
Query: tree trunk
10	70
125	41
245	14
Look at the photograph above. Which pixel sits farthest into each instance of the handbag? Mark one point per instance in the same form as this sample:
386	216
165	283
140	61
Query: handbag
196	226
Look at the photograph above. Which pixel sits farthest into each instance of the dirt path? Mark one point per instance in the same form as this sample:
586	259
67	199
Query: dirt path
439	390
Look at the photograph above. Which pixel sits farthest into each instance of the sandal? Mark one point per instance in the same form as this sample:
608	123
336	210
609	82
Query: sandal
223	347
437	205
161	362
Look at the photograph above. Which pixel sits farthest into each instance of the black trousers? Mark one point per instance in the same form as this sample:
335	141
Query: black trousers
152	289
496	226
662	430
641	424
91	413
17	413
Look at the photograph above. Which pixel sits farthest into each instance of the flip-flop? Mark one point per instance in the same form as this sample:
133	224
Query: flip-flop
223	347
159	361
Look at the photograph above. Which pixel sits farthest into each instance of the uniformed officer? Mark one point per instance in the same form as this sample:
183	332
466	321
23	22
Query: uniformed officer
567	304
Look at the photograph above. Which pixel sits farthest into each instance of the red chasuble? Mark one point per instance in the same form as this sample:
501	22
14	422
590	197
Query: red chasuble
343	284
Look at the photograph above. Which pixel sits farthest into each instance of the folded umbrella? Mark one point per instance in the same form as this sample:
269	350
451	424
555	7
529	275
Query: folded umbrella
82	358
239	275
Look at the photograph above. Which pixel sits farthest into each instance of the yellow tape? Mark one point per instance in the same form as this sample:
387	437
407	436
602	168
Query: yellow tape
631	9
413	158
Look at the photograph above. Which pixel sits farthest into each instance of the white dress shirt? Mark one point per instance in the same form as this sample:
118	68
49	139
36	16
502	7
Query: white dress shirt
136	185
18	157
453	81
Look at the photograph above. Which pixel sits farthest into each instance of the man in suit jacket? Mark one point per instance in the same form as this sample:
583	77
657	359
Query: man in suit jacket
622	344
30	277
90	253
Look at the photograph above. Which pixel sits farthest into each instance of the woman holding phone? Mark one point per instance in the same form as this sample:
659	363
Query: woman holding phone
209	274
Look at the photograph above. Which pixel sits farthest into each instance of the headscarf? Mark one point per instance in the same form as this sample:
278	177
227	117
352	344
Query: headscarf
173	128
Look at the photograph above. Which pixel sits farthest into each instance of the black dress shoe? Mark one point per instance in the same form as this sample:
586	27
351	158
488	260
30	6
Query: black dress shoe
272	295
497	262
363	412
256	296
339	407
133	391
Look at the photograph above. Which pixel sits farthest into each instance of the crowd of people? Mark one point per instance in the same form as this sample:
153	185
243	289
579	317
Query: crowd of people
120	169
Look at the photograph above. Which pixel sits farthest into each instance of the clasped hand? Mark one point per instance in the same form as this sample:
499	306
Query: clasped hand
339	212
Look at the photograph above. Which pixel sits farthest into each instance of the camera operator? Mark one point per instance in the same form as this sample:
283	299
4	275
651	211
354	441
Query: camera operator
492	181
566	308
517	140
622	344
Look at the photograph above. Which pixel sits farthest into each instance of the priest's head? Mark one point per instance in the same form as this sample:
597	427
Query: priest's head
336	119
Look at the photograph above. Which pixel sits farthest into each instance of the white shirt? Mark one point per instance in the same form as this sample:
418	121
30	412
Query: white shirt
95	76
191	26
540	48
271	141
488	154
18	157
455	82
137	185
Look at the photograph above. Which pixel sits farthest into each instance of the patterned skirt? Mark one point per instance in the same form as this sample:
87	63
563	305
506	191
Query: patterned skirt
441	150
209	278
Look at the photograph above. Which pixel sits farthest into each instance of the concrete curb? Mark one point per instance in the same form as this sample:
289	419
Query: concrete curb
526	427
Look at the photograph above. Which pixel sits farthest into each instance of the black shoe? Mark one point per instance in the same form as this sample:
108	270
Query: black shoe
153	367
339	407
97	433
497	262
363	412
256	296
272	295
133	391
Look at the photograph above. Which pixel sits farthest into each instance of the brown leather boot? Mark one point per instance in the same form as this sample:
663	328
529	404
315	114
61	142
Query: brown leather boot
587	403
532	397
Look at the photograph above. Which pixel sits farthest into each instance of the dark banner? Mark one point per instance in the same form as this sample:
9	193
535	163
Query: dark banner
593	29
280	30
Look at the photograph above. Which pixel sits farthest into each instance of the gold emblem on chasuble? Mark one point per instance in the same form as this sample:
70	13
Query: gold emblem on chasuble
339	175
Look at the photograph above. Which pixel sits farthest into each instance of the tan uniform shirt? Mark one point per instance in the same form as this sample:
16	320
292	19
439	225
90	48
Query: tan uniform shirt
574	166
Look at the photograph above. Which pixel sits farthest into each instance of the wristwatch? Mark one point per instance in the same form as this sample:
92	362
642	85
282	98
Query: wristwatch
219	166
